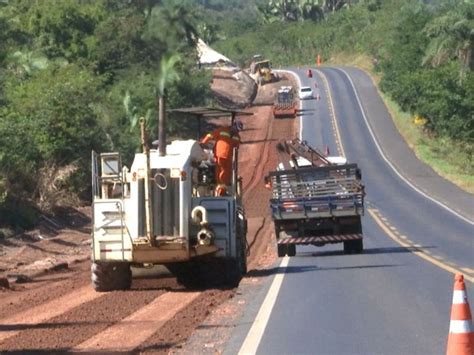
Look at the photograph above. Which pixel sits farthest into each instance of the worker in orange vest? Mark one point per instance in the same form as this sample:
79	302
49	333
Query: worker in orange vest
226	139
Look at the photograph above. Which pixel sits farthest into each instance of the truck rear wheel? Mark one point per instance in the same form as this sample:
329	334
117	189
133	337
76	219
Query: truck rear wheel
291	251
111	276
357	246
353	247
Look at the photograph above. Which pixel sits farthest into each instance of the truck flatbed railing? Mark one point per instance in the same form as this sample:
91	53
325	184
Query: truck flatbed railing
312	192
308	182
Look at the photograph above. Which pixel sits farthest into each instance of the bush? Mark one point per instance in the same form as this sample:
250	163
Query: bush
50	119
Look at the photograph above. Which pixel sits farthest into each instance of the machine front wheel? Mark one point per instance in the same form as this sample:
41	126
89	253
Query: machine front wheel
111	276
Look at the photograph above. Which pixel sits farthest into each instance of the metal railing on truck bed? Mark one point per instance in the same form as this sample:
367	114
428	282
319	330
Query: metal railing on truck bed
317	192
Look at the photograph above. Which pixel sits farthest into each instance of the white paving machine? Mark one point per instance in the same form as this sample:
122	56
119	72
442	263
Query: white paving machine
163	210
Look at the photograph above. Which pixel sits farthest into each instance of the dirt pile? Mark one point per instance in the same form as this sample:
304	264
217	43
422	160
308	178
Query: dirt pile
233	88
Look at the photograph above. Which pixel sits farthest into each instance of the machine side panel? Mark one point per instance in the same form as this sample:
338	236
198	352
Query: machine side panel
220	214
111	237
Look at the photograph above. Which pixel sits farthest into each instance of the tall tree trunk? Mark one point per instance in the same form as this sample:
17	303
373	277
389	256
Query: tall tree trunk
161	126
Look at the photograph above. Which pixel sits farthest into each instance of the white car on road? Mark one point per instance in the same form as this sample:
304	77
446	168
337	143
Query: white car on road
305	93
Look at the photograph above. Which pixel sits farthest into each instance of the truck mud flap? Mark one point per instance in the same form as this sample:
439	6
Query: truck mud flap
325	239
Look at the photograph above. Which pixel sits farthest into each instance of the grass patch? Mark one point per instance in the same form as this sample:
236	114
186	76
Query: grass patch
450	159
358	60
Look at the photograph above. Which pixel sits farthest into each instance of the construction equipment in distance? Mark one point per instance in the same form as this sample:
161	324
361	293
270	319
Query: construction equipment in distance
285	103
315	200
163	210
261	70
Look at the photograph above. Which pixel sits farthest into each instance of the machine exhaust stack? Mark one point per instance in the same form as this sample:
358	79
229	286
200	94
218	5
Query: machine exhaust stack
161	127
148	213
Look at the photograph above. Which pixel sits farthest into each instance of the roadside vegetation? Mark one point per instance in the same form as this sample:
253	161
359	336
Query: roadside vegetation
77	75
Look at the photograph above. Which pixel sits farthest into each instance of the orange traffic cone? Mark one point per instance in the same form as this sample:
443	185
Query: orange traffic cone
326	151
461	334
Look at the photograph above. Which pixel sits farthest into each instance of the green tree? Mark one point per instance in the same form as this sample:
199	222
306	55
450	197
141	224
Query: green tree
120	43
51	121
334	5
173	24
452	36
290	10
59	29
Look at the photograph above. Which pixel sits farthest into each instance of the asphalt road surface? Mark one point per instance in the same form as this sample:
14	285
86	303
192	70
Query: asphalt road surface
395	298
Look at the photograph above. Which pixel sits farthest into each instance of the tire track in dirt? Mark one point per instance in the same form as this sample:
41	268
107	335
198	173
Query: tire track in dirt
73	326
44	289
38	315
142	324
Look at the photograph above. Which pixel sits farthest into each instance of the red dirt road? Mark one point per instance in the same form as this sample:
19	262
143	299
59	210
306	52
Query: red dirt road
58	312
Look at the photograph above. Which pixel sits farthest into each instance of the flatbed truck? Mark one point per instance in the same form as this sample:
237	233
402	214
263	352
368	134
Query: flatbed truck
316	200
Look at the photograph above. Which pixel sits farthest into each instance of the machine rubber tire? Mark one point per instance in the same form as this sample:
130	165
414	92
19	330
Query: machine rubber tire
241	243
282	250
291	250
111	276
233	272
242	259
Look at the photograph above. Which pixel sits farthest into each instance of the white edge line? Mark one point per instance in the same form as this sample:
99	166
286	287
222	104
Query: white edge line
388	161
254	336
301	102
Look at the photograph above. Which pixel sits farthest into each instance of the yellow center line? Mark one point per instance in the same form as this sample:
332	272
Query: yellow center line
340	147
421	253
